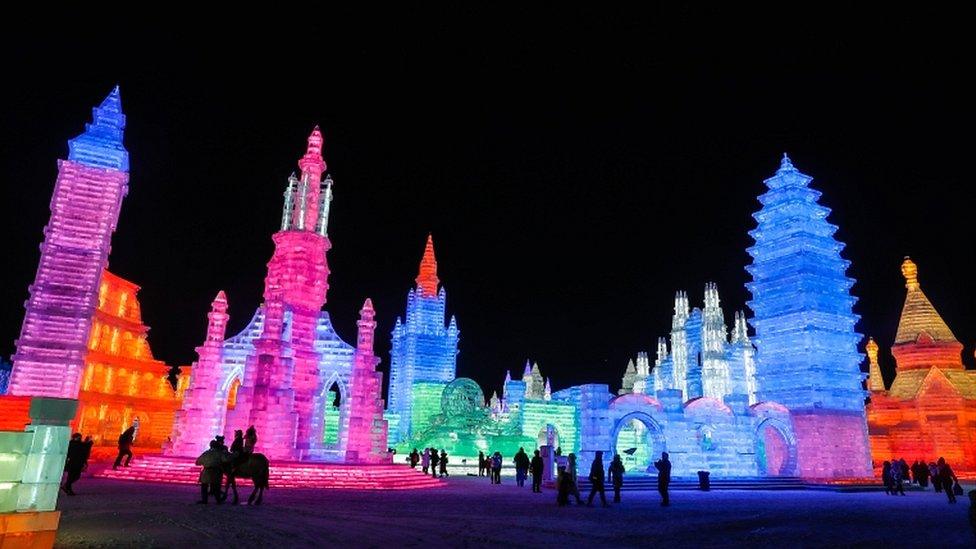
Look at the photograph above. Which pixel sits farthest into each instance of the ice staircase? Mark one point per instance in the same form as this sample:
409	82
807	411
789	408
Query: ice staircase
178	470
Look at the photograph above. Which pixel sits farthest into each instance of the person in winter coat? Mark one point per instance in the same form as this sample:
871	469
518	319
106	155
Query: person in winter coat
886	477
414	458
481	464
522	464
125	447
897	486
616	474
425	460
596	480
934	475
435	459
496	468
76	461
948	478
212	474
663	466
574	480
443	462
537	467
250	439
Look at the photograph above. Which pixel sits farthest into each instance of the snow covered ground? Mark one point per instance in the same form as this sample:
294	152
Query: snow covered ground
469	512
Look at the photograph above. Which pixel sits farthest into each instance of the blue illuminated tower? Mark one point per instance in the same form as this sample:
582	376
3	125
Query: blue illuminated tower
807	356
424	351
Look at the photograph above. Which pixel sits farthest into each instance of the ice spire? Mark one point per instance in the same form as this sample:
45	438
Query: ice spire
547	394
100	145
427	280
527	372
740	333
367	327
875	381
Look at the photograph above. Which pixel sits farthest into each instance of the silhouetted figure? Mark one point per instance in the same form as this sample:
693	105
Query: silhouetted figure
663	466
886	477
481	464
571	471
237	445
562	486
922	474
496	468
414	458
559	451
219	439
522	464
616	474
425	460
443	463
948	478
537	467
76	461
435	459
934	475
250	440
972	510
125	447
212	462
896	479
596	480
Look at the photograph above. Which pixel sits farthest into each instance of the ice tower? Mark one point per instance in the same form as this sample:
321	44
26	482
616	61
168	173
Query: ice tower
84	211
807	357
424	352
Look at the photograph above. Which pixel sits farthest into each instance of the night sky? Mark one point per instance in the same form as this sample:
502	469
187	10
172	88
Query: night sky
574	169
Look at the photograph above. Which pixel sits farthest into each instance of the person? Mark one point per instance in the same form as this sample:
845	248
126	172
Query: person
414	458
496	468
537	467
425	460
896	479
481	463
250	439
616	474
663	466
596	480
934	475
886	477
972	510
212	462
237	445
922	474
562	486
574	480
521	467
443	463
948	479
76	461
125	447
434	460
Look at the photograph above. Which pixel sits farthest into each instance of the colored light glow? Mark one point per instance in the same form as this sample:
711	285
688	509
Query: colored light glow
84	211
807	357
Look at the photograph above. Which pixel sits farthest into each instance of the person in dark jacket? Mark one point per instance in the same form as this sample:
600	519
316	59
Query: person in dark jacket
481	464
663	466
496	468
76	461
948	478
616	474
537	466
435	458
596	480
125	447
522	465
886	476
414	458
443	463
212	474
896	479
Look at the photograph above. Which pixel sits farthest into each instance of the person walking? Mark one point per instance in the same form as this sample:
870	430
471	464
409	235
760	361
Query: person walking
948	478
481	463
125	447
663	466
596	480
496	468
212	474
414	458
934	475
522	464
425	460
616	474
537	467
443	463
922	474
435	459
574	480
886	476
896	479
76	461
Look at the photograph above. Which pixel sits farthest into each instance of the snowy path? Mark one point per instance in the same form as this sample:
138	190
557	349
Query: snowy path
469	512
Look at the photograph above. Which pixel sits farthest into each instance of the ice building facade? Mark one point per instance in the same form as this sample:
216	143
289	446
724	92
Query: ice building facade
283	372
423	355
807	357
929	411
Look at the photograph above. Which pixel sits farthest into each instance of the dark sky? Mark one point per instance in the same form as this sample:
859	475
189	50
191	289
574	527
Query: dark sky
575	168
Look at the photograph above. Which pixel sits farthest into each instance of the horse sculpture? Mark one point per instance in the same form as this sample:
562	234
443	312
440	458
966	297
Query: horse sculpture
253	466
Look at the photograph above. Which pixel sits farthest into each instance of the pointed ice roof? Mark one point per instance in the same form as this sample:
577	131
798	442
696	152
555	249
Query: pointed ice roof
427	280
875	381
100	146
528	369
313	161
918	315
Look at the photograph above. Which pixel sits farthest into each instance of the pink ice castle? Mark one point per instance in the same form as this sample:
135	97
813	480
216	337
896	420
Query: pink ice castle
284	371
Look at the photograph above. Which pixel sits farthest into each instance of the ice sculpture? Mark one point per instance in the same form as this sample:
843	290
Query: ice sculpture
84	211
807	356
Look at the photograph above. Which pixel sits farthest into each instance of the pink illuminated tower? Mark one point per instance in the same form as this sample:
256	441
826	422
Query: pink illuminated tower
367	428
84	211
281	376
